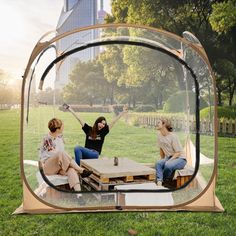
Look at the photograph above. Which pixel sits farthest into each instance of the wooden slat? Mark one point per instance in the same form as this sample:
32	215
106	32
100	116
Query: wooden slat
129	178
92	183
150	177
178	182
104	180
181	180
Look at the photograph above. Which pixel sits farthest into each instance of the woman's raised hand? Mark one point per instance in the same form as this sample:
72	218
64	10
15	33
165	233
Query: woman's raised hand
66	106
125	108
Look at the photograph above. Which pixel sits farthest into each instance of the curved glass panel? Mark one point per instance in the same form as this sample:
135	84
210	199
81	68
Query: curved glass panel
150	79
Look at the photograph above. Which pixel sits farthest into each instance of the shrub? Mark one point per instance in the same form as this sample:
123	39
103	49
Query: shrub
177	102
134	121
223	112
145	108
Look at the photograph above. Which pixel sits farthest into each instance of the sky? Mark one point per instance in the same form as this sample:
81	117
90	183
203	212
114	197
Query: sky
22	23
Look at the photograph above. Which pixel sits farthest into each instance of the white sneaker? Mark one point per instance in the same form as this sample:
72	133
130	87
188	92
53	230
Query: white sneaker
81	201
159	183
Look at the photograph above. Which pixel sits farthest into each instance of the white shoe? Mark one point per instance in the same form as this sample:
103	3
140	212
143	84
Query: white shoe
159	183
81	201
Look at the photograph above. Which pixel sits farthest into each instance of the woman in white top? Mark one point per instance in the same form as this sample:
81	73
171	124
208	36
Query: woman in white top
54	158
171	152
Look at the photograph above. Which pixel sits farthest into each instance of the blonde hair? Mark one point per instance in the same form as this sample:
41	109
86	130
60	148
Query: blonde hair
167	124
54	124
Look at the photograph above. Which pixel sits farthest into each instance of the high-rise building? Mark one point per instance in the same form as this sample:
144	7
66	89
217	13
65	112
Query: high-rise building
101	13
75	14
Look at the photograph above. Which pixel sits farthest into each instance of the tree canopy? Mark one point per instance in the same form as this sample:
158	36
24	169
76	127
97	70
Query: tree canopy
134	75
223	17
213	23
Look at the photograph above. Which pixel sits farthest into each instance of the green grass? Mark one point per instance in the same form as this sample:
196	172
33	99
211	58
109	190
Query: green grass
166	223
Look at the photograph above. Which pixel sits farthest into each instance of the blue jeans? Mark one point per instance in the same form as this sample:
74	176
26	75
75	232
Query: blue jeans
84	153
166	167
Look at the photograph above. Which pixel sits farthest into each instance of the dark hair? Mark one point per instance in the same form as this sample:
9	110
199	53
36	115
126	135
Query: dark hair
95	126
54	124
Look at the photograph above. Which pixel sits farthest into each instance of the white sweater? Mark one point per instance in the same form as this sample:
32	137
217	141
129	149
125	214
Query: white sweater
50	146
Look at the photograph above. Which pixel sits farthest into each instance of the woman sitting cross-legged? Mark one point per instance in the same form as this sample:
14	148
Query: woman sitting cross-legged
171	152
54	158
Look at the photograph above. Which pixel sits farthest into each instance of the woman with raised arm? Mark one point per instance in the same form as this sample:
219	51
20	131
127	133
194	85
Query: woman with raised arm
55	160
95	135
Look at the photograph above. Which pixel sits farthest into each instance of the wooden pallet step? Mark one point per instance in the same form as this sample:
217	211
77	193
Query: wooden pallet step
110	186
181	180
128	178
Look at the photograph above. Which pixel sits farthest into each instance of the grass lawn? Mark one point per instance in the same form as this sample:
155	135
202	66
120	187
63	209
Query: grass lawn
166	223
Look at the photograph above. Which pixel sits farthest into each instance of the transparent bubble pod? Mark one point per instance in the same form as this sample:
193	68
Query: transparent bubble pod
98	70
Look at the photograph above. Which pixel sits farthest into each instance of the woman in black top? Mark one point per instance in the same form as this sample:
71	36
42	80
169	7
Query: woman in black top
95	135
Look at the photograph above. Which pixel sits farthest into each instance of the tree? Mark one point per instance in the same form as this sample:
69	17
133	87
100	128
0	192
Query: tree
113	67
197	16
45	96
151	70
223	16
173	16
226	80
87	84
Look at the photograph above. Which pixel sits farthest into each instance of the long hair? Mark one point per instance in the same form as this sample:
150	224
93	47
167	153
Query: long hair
54	124
95	126
167	124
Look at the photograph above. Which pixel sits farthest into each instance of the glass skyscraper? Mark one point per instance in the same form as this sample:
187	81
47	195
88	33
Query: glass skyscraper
75	14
